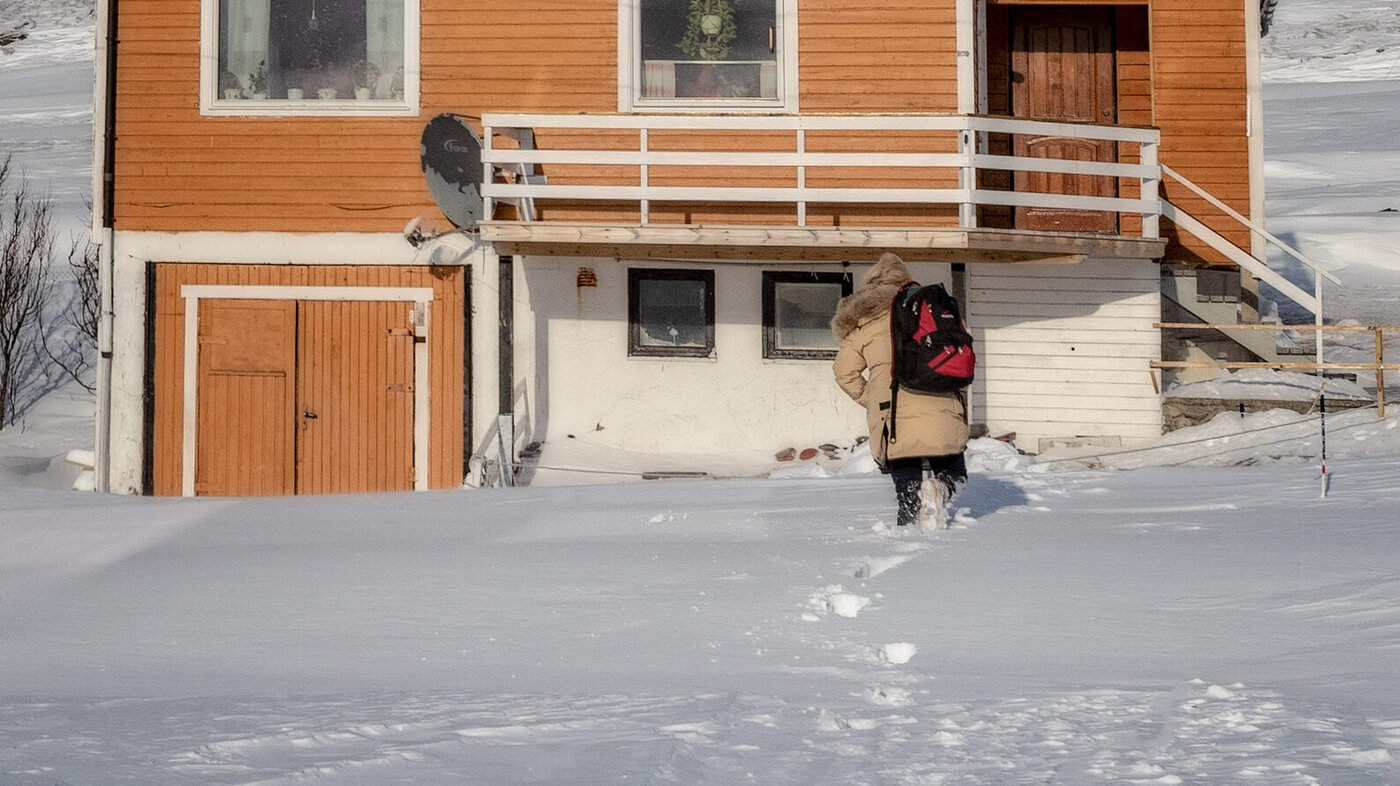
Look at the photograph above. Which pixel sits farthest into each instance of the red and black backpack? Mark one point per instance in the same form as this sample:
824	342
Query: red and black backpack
932	350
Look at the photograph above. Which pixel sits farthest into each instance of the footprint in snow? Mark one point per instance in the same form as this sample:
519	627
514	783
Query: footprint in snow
874	566
897	653
836	600
884	696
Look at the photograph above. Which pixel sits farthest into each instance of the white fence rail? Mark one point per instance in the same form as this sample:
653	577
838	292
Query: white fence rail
965	134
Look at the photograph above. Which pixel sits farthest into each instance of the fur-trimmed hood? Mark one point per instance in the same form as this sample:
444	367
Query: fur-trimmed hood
877	290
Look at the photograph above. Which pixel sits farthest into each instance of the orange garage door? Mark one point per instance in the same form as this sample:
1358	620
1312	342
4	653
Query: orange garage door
304	397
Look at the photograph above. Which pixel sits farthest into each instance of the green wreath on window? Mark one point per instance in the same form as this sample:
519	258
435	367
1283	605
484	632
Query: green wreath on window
709	29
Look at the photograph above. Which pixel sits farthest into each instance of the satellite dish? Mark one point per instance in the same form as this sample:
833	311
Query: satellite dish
451	153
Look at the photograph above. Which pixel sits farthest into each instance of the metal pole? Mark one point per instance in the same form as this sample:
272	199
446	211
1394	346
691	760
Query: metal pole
1380	373
505	390
1322	399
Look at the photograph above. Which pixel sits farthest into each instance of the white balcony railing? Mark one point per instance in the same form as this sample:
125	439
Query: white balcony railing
621	170
963	135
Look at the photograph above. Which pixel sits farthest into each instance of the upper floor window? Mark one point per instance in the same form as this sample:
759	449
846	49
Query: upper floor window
698	54
310	56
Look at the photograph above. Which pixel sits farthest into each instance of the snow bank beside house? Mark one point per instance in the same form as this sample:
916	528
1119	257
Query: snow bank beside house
1229	439
1259	384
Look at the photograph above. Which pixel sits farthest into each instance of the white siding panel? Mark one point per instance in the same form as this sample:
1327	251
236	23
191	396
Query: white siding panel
1064	351
1006	374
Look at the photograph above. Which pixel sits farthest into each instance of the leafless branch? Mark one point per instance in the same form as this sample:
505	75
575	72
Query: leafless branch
26	247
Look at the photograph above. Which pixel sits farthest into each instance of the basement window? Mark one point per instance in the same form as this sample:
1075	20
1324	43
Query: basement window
797	312
670	313
339	57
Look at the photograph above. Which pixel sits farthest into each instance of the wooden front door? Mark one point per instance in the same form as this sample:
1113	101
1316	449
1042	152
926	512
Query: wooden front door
304	397
1062	69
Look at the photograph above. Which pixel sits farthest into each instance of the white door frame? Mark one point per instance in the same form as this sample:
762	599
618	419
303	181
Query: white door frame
420	297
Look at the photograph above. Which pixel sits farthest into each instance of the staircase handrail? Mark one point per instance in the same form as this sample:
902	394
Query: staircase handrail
1231	212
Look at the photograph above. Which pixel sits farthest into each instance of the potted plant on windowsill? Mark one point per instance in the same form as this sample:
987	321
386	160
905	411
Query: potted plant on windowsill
257	81
709	29
365	75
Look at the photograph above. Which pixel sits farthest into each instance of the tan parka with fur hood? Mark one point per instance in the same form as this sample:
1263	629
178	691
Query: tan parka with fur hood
930	424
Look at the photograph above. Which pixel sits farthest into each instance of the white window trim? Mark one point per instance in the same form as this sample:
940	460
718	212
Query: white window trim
213	105
629	66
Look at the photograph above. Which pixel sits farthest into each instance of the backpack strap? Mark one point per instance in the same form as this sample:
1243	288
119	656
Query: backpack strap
895	349
894	407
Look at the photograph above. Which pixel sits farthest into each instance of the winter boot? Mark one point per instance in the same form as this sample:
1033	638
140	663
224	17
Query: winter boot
937	493
907	495
933	510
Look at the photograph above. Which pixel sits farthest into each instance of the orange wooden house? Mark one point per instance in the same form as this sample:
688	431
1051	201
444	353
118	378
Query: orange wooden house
672	196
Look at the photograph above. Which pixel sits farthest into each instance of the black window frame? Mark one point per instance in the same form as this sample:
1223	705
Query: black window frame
771	279
635	277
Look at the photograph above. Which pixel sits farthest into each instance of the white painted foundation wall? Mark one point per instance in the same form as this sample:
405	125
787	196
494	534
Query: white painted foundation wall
572	346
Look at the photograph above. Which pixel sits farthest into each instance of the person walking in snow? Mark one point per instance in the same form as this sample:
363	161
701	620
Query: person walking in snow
926	461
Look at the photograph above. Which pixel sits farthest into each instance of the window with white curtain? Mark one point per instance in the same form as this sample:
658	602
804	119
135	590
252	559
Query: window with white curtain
342	55
707	53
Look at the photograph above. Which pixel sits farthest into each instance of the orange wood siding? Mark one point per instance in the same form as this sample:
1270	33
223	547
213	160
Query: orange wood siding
1200	103
178	171
446	345
891	56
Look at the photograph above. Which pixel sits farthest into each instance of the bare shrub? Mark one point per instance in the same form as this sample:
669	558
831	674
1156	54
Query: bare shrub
72	344
26	247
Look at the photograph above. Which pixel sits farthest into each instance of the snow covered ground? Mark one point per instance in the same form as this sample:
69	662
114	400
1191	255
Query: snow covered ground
1191	612
1199	626
1332	169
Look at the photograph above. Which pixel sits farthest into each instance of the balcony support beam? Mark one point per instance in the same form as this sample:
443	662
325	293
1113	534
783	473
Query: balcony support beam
767	244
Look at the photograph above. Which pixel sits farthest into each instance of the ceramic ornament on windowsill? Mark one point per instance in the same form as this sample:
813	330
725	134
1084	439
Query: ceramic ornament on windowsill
365	75
229	86
709	29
